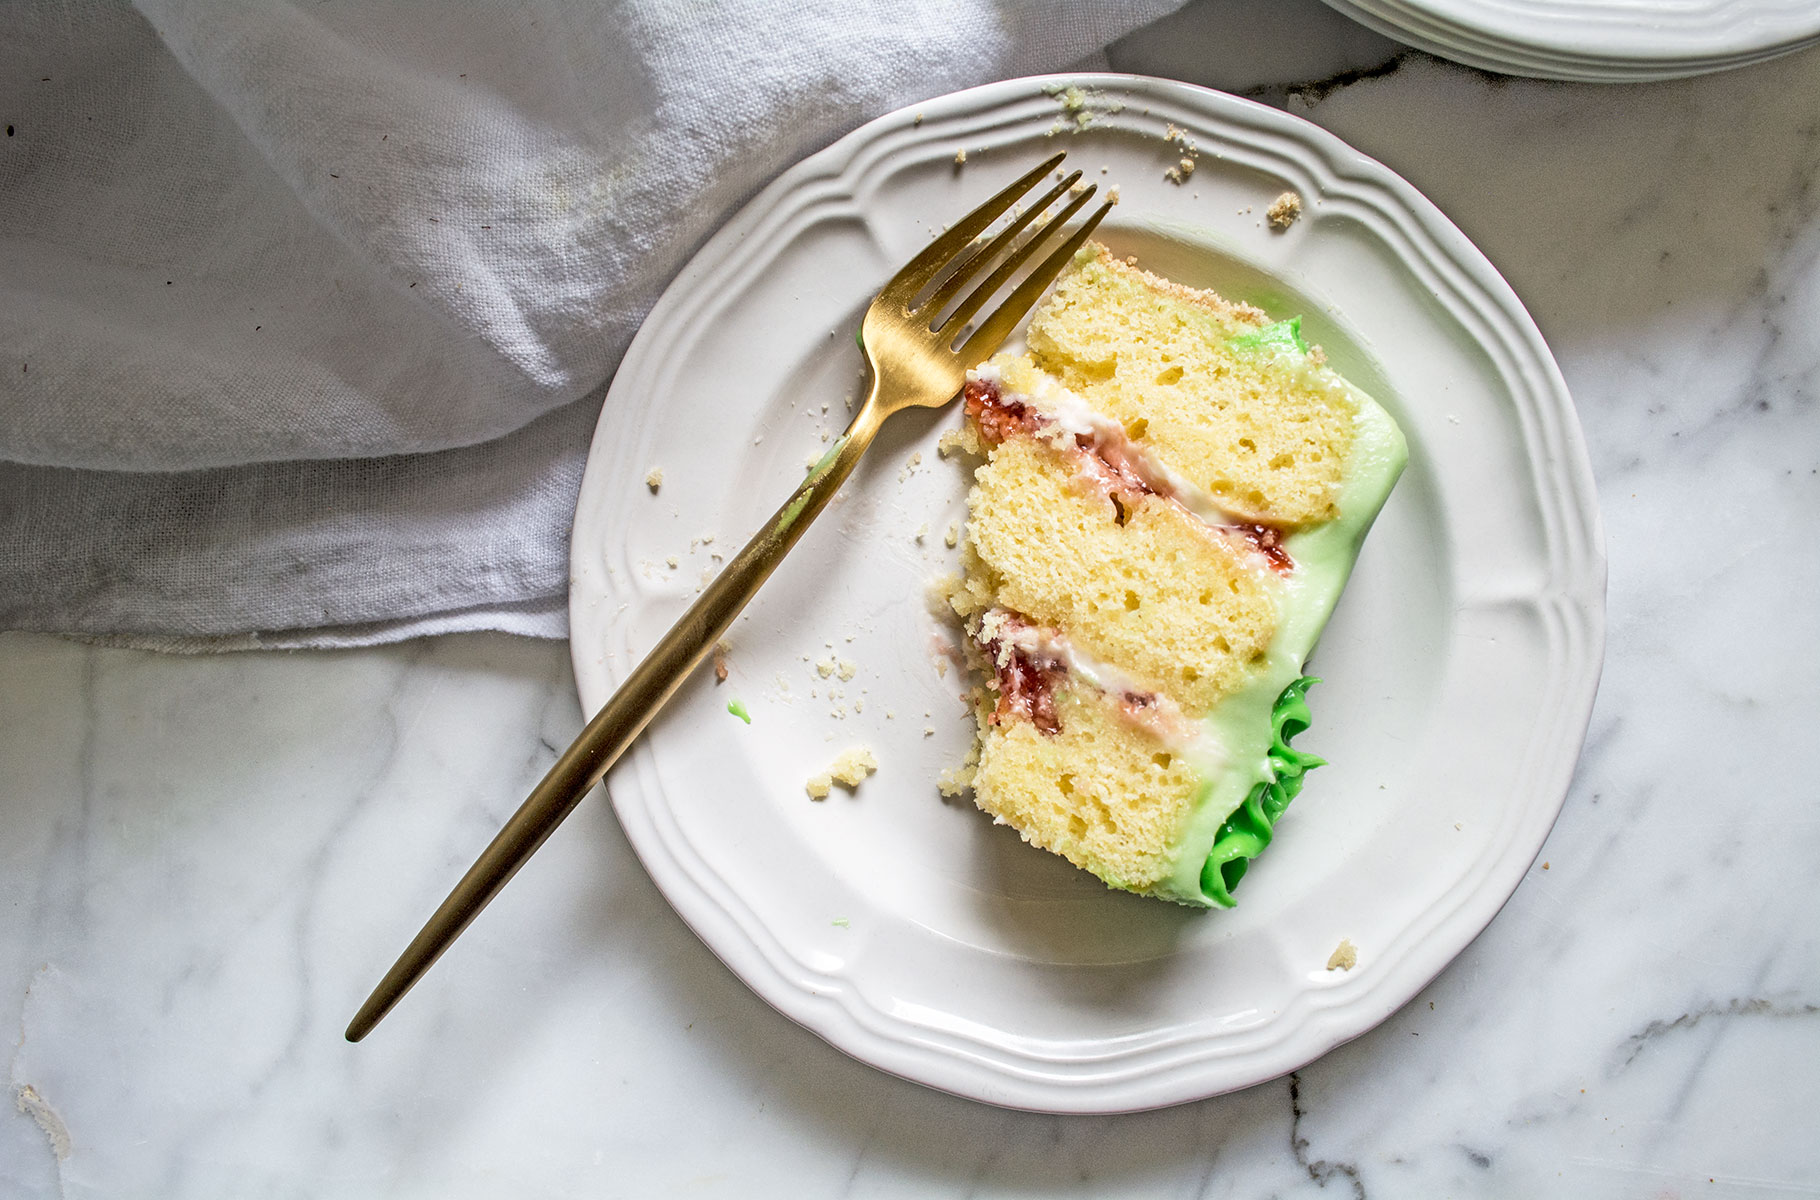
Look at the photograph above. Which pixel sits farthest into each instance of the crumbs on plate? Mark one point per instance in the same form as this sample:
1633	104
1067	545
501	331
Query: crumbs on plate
849	770
1284	210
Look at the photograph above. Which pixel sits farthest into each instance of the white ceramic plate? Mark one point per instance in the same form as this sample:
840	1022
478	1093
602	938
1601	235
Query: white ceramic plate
1596	41
911	932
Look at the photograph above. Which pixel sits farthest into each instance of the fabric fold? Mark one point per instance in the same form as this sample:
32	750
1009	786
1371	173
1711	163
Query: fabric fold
257	261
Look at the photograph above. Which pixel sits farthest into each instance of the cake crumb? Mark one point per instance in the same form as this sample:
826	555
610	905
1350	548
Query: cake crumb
922	531
952	536
1545	866
1284	210
959	441
917	119
672	562
1345	956
720	662
960	158
847	669
954	781
1112	194
654	478
848	769
825	667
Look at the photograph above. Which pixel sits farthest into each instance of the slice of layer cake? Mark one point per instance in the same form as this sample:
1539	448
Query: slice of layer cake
1173	494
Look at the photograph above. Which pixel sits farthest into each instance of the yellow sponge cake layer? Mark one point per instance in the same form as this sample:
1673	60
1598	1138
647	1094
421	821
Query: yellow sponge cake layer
1175	366
1135	579
1101	791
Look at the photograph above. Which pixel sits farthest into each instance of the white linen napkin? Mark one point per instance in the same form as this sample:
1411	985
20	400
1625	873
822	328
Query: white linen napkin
306	311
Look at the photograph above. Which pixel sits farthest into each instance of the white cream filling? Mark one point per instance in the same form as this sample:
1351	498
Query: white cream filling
1066	408
1194	740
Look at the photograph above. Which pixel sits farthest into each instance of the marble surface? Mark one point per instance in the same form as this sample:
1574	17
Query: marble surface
205	862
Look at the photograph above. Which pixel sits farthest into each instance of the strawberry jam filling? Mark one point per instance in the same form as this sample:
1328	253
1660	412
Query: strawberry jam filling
1108	458
1025	679
1268	541
996	415
1031	661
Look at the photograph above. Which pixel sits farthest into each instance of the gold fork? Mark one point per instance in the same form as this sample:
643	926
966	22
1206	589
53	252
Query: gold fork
909	337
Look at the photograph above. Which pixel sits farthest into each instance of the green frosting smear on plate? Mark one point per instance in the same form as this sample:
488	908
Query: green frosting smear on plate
1247	831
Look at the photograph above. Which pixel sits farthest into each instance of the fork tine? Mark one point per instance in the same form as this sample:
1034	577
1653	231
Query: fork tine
954	283
1005	318
985	291
918	272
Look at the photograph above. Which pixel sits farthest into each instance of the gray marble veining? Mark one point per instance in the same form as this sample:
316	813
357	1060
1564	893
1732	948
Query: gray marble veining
205	861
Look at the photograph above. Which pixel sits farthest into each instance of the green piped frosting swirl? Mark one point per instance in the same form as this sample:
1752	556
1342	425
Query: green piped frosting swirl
1247	831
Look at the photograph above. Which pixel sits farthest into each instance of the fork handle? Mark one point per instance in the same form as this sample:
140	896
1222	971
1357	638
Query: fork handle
624	716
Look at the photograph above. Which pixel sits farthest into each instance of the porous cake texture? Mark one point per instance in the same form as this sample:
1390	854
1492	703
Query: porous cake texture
1173	490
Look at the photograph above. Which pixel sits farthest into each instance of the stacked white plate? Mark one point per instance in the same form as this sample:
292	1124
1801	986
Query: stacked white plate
1596	41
